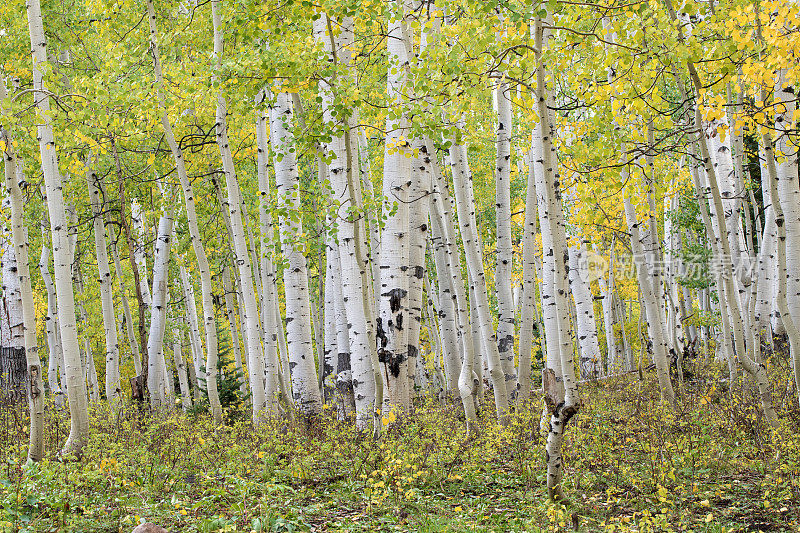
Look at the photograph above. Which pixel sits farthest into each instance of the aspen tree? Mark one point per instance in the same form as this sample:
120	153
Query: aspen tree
270	319
465	204
506	322
529	282
194	232
355	375
112	382
255	363
156	378
76	387
34	386
295	278
393	319
55	364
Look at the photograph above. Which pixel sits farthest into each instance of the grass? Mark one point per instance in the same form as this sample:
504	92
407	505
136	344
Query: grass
631	465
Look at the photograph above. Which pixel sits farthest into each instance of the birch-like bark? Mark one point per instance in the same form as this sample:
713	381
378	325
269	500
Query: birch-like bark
139	253
194	326
233	326
655	327
34	387
786	156
112	385
392	321
55	355
465	204
589	362
180	368
728	296
295	277
203	266
529	282
446	301
354	365
506	322
76	387
255	364
561	407
269	292
156	378
418	208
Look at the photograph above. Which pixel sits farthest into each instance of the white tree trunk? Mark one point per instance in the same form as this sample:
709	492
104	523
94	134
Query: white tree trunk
561	406
269	293
295	277
392	322
233	326
505	252
255	362
156	378
655	327
527	305
194	232
56	357
76	387
139	254
112	385
789	196
26	319
180	367
194	327
589	362
465	204
446	304
354	365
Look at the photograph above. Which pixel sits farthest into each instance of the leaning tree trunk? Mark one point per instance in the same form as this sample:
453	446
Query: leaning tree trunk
465	204
76	387
655	327
34	386
194	231
255	364
446	304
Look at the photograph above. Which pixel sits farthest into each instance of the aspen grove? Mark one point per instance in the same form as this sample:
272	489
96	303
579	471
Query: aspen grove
351	260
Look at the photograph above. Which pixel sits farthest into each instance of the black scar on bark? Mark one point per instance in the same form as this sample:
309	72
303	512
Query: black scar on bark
395	297
419	271
381	335
343	362
399	322
412	351
504	344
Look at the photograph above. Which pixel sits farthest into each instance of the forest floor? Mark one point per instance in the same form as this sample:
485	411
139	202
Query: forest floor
631	465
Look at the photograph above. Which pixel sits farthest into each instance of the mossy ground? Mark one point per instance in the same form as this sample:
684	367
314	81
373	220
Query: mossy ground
631	465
